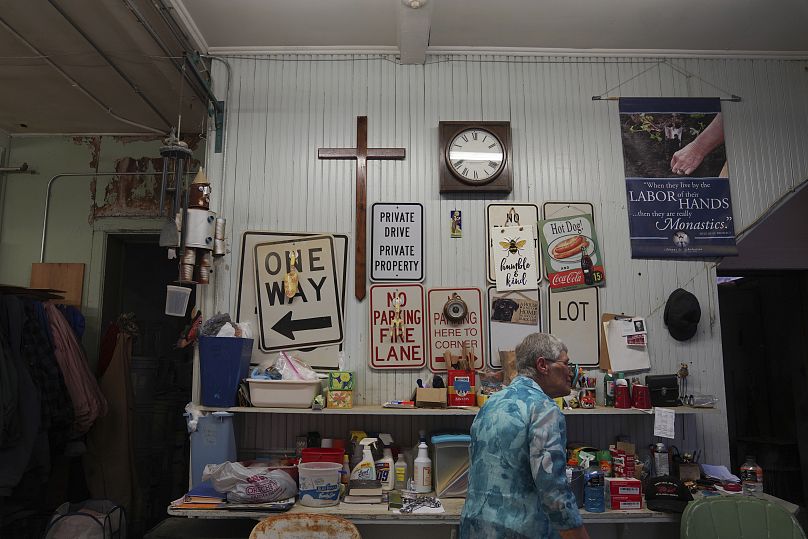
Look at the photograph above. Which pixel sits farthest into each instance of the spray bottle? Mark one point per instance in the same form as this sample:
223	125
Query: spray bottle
365	469
384	469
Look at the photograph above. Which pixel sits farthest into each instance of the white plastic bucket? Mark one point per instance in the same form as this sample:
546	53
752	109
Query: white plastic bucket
177	300
319	483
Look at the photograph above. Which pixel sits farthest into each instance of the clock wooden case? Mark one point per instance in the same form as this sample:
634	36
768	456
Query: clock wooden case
475	156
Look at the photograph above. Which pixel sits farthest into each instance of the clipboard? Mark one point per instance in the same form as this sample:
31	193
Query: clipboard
605	362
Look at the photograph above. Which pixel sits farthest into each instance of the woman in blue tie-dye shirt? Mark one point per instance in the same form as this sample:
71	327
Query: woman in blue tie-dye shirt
517	482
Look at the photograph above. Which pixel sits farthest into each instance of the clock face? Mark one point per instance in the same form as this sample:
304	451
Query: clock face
475	156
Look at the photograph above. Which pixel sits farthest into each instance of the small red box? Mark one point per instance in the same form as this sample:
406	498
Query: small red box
625	501
620	486
461	388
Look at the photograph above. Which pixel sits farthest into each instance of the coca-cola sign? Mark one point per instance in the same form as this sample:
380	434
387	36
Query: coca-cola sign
571	255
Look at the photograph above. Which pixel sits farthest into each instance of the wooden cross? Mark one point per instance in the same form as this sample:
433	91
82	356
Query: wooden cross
361	153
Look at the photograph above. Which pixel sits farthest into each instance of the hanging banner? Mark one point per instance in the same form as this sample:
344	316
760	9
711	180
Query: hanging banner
397	334
677	185
516	266
572	258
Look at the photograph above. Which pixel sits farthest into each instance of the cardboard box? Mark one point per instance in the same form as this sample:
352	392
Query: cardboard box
339	399
340	381
461	388
623	486
430	397
625	501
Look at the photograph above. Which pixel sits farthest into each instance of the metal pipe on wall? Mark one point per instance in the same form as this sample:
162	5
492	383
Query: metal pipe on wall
71	175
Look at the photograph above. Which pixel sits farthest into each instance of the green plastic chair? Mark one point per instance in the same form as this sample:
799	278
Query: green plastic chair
738	517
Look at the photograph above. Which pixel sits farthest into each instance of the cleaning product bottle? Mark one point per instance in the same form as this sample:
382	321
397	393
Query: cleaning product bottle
608	389
422	474
401	472
384	469
345	475
366	468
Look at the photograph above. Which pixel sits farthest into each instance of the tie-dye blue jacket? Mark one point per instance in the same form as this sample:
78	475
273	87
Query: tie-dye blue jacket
517	483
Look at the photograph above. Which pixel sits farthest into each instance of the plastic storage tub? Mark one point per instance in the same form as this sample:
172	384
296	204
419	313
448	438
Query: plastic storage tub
283	393
450	465
223	363
319	483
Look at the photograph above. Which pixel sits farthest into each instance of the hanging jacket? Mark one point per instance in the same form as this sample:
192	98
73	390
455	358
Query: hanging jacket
88	401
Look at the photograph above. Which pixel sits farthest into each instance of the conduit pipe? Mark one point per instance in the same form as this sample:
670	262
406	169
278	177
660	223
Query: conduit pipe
74	175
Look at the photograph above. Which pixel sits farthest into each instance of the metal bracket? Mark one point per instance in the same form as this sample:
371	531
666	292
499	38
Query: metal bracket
216	107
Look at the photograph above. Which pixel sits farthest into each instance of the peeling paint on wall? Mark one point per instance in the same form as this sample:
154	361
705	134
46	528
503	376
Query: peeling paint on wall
95	148
131	196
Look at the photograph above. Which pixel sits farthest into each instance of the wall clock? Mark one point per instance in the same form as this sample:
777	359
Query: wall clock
475	156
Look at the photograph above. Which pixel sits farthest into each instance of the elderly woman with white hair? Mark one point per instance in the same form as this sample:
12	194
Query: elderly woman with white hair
517	482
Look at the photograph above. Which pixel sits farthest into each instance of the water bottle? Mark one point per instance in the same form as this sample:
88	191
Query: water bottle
594	500
751	477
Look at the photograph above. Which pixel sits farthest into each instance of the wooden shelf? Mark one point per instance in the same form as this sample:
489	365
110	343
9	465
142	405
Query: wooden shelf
356	410
468	411
680	410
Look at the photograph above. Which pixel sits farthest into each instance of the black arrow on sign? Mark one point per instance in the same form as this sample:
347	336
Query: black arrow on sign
287	327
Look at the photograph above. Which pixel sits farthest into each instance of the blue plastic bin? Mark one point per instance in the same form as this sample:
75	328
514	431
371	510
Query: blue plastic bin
213	442
223	362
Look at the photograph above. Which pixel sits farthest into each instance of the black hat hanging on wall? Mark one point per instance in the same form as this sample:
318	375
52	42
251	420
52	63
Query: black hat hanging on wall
682	314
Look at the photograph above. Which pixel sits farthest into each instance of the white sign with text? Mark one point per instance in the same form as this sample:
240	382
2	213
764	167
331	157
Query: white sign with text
397	242
515	261
313	316
397	337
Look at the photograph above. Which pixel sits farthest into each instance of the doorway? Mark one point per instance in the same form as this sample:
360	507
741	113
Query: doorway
137	271
763	333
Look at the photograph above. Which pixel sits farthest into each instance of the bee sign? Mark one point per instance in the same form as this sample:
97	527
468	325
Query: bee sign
507	215
516	266
312	316
397	242
397	338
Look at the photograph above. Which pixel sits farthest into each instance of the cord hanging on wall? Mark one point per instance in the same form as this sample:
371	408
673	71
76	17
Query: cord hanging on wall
605	97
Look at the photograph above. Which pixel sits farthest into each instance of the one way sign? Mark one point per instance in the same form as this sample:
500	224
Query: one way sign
312	317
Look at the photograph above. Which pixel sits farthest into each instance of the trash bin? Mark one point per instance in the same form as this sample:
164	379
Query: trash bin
213	442
223	363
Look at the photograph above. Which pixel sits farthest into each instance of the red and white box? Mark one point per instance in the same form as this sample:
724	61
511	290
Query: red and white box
624	465
625	501
622	486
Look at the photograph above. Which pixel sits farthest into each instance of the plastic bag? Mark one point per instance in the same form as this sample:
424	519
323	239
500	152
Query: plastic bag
292	368
250	485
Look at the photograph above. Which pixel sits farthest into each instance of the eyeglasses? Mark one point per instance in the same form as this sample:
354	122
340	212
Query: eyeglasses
565	363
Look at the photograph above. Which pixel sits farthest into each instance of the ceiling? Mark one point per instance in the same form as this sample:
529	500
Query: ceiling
114	66
698	25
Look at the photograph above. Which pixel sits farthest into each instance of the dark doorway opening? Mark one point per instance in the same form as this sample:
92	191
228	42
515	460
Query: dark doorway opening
136	274
764	325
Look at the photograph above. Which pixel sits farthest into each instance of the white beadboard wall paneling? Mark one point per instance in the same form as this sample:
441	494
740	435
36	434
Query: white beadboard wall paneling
282	107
